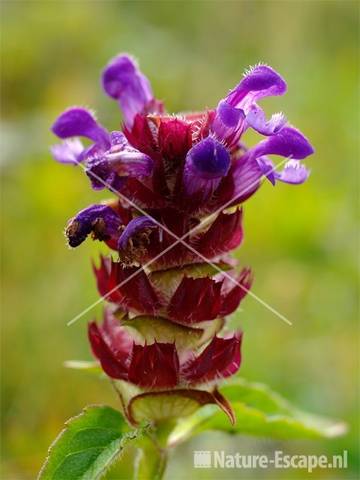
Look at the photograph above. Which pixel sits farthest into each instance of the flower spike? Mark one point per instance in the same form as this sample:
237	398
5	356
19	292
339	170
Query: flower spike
170	283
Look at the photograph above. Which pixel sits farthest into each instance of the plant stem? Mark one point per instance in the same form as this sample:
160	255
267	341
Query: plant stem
162	464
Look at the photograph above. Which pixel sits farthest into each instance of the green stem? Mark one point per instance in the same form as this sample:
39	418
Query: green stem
152	461
162	465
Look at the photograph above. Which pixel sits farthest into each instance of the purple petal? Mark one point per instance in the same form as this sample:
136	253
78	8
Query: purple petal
257	120
130	162
79	122
260	81
107	169
267	167
118	139
123	81
289	142
294	172
230	116
99	219
228	122
101	175
206	164
246	175
68	152
208	159
133	228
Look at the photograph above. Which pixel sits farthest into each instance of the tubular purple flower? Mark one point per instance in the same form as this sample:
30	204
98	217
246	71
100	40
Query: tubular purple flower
123	81
125	158
136	226
239	109
130	161
79	122
206	164
99	219
121	160
289	142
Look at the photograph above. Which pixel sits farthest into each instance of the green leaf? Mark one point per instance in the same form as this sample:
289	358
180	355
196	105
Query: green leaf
88	445
259	411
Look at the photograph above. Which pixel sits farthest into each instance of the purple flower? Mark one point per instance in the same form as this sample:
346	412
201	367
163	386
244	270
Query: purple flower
123	81
138	226
100	220
206	164
121	160
247	170
239	109
108	160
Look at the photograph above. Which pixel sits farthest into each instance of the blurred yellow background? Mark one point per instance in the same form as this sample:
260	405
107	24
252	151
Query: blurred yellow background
300	241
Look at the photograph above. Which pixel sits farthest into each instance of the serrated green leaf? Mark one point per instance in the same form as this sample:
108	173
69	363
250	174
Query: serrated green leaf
88	445
259	411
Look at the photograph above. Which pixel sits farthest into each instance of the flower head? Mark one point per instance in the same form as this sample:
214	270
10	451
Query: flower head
180	180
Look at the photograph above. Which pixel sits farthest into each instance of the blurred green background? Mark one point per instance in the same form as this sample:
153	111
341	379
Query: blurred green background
300	241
